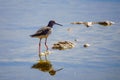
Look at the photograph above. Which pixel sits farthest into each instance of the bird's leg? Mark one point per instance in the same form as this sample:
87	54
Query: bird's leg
40	49
46	48
46	44
45	57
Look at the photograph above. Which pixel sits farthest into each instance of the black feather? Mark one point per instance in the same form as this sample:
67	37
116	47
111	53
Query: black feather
42	31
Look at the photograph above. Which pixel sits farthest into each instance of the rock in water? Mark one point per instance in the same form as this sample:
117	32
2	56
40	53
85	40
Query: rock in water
106	23
86	45
63	45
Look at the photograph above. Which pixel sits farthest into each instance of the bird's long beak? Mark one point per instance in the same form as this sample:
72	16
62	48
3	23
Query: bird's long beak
59	69
58	24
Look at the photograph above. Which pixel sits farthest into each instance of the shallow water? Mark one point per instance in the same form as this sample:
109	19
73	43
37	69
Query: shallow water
19	52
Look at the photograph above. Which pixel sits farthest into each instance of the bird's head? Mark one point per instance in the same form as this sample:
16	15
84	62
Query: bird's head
52	22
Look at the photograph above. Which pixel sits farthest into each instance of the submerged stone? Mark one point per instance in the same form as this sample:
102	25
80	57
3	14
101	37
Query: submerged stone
86	45
106	23
62	45
77	23
89	24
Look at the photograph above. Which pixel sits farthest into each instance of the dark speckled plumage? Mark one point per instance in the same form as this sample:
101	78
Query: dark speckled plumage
44	32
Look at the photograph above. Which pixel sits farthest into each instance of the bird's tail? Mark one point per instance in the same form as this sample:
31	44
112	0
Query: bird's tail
32	35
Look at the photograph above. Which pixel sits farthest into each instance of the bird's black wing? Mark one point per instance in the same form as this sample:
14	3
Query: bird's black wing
42	31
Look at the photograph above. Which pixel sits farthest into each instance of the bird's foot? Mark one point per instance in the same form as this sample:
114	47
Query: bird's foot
45	53
40	56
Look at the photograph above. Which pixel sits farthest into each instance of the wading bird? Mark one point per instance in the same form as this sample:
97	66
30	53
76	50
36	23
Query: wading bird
44	32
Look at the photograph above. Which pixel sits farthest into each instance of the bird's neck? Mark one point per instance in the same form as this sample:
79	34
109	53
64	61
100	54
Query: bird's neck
50	25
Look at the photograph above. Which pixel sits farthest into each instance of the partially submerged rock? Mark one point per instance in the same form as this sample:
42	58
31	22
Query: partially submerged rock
89	24
77	23
86	45
62	45
106	23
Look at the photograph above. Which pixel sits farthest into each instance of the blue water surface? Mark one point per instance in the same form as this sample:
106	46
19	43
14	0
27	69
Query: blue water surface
19	52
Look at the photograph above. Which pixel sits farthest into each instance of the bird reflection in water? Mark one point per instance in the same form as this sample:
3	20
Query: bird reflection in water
45	66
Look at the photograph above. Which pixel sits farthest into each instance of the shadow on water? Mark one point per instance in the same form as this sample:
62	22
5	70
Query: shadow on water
45	66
